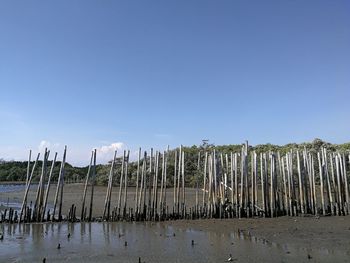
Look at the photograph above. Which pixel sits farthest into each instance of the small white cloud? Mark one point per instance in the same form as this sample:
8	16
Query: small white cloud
50	146
106	152
43	144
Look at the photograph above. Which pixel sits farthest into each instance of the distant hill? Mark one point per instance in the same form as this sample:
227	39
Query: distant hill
16	171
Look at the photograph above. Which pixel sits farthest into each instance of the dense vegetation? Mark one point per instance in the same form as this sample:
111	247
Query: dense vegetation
16	171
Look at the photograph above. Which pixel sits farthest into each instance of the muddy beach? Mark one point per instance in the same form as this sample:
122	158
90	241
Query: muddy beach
282	239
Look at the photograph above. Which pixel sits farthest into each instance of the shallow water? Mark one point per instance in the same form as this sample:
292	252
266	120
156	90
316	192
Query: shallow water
6	188
105	242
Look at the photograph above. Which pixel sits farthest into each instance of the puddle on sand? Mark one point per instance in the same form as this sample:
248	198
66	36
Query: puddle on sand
126	242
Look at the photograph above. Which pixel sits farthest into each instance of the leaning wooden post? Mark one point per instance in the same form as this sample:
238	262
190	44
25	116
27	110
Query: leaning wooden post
92	186
161	187
107	205
143	185
58	186
27	187
82	217
61	185
48	187
28	166
38	192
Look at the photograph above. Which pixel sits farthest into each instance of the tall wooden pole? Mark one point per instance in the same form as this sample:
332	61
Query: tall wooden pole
48	187
82	217
93	180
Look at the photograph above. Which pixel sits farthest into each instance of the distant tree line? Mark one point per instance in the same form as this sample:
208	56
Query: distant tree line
16	171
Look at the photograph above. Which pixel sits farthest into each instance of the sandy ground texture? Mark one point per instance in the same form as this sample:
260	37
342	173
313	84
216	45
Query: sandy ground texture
283	239
320	235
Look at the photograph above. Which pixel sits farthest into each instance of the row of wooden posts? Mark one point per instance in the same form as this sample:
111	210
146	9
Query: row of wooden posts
235	185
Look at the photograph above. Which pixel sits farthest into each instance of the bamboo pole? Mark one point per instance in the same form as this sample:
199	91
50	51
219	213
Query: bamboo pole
121	184
329	189
38	197
59	182
175	166
346	186
93	179
204	178
107	203
321	182
137	181
28	186
28	166
126	184
178	182
48	187
82	217
183	184
197	180
301	198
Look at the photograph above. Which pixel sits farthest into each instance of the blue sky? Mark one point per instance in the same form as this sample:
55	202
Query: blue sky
124	74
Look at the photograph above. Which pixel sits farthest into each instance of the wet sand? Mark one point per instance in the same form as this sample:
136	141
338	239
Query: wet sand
324	236
248	240
283	239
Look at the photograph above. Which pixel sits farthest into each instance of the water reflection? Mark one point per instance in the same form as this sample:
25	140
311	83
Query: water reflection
153	242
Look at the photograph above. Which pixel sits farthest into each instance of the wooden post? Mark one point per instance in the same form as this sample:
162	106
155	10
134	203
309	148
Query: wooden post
197	180
82	217
204	178
92	186
28	166
38	198
321	182
107	205
121	185
137	181
48	187
126	184
262	179
175	166
346	186
59	182
301	199
27	187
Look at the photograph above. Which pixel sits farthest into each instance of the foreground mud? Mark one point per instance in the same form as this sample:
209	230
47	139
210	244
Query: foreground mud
282	239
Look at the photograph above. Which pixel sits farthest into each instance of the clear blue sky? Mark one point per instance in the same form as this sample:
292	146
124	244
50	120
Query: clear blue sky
151	73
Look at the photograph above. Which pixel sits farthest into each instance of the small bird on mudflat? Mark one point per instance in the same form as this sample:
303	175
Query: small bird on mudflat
68	235
44	260
230	258
59	246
